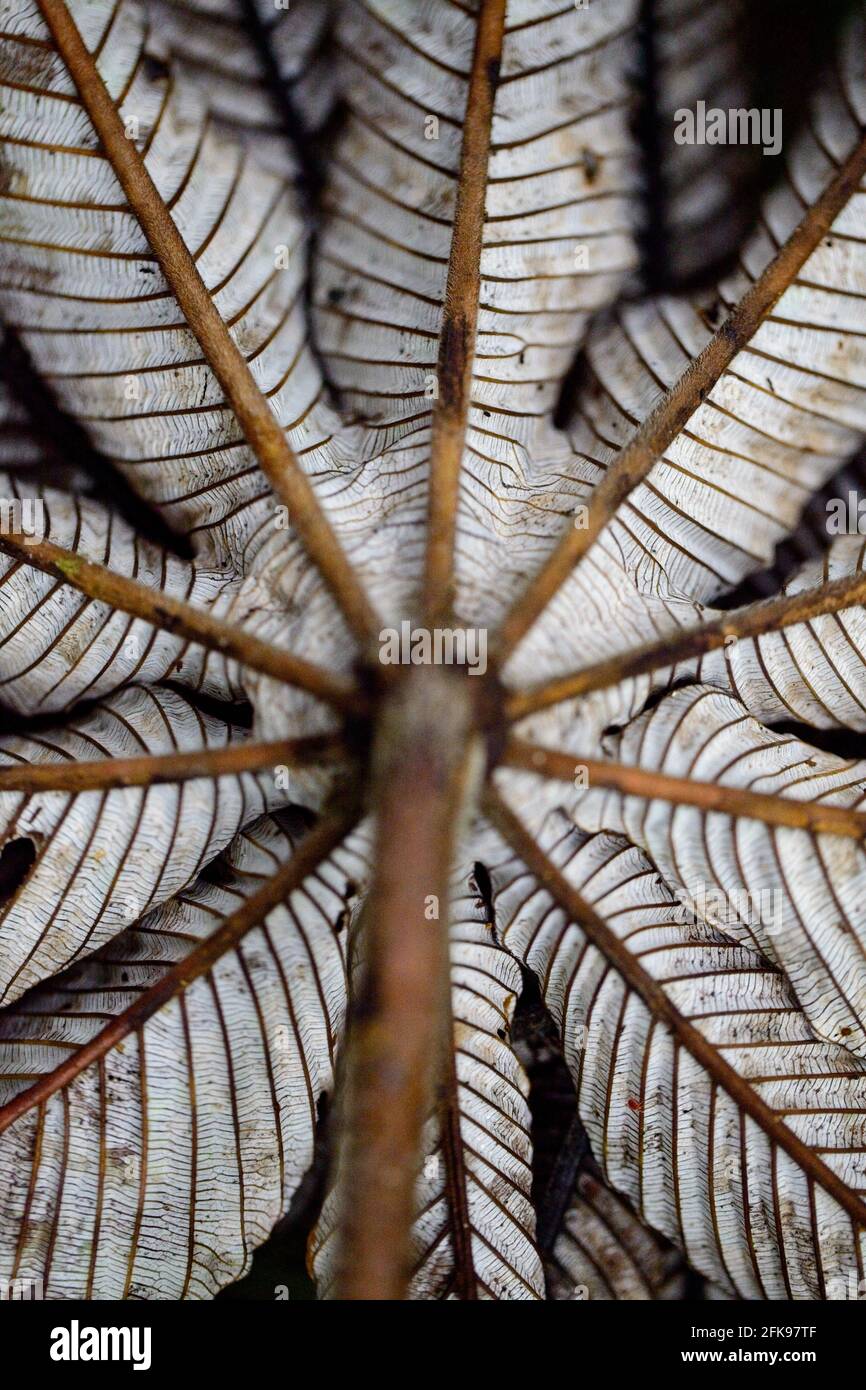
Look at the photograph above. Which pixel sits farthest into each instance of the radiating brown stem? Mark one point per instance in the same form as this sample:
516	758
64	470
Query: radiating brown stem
312	850
173	615
106	774
464	1281
770	615
260	427
681	791
661	427
422	767
460	315
617	953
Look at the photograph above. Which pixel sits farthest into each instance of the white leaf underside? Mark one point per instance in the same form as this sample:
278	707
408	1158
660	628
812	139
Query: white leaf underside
788	410
795	896
812	673
809	673
563	172
781	420
603	1252
809	540
58	647
214	44
160	1168
690	1162
529	480
491	1163
89	300
564	169
100	857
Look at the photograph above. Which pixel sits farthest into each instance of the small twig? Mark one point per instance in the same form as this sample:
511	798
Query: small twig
661	427
105	774
771	615
260	427
680	791
460	315
173	615
313	849
636	978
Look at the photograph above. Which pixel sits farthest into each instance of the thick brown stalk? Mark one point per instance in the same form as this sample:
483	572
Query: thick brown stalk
661	427
460	315
770	615
422	767
681	791
173	615
106	774
260	427
312	850
617	953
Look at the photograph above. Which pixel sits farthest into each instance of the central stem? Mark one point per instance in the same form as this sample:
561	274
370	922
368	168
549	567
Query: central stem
426	765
